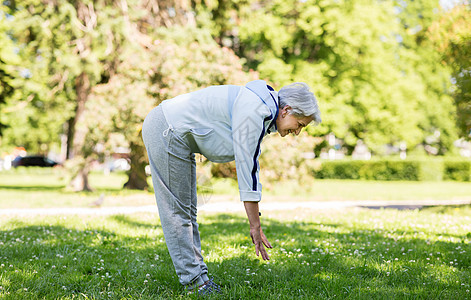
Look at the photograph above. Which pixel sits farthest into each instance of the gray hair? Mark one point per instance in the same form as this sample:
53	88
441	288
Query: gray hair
301	99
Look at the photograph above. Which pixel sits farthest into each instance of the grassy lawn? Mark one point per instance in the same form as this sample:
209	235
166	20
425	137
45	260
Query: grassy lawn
347	254
41	188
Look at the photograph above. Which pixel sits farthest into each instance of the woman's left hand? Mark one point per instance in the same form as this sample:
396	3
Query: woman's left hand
256	233
259	239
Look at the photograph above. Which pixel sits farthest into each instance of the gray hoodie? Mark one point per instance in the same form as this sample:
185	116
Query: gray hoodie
227	122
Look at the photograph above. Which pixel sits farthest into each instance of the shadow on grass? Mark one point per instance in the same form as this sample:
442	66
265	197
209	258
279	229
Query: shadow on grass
442	209
398	207
435	208
309	260
128	221
63	189
33	188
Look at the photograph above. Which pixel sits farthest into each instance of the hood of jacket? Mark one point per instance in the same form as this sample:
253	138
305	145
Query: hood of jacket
268	95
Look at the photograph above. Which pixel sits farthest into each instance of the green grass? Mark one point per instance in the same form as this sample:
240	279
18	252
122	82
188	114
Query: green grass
328	254
42	188
346	254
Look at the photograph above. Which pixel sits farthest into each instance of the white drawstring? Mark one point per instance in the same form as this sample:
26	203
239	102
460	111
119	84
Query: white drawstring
166	131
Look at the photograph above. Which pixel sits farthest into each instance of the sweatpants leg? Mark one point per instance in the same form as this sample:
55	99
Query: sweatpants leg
196	233
174	178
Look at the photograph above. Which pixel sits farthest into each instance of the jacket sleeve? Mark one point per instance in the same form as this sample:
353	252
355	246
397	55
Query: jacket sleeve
249	115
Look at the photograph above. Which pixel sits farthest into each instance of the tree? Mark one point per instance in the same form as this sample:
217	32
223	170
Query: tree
371	84
451	35
180	60
23	112
49	36
9	62
422	60
68	48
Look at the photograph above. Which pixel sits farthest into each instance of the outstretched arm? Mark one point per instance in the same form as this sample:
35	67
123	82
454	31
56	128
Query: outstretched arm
258	237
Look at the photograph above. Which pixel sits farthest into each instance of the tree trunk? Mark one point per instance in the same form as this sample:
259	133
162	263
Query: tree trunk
76	136
70	137
80	182
137	178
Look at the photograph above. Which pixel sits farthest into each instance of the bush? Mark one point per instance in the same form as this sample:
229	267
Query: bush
382	169
457	169
430	169
392	170
281	159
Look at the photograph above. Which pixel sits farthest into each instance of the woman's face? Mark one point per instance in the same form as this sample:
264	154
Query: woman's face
287	123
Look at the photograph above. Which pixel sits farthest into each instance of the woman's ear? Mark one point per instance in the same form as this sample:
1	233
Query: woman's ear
285	110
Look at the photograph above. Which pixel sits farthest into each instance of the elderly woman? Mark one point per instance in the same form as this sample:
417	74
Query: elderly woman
222	123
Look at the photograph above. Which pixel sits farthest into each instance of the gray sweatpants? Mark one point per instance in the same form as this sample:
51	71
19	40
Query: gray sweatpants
173	169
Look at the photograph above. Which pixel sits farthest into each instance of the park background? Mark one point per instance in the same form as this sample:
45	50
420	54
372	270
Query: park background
393	83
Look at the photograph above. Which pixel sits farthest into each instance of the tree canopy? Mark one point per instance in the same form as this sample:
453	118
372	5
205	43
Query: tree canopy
451	35
366	61
385	72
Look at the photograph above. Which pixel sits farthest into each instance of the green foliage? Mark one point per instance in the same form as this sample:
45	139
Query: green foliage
145	76
384	78
451	35
9	62
457	169
54	47
281	160
426	169
375	79
388	170
101	67
68	48
430	169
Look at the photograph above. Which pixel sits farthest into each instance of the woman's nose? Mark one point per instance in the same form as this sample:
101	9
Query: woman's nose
298	131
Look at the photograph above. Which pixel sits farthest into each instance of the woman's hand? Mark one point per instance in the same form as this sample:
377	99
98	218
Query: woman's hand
256	233
259	239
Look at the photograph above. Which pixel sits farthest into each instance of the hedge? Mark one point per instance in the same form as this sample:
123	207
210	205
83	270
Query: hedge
424	169
457	169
